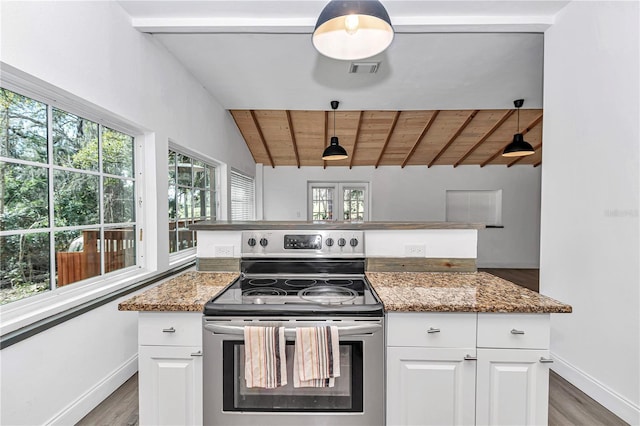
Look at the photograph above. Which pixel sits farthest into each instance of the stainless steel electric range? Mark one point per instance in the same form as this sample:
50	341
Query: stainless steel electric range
297	279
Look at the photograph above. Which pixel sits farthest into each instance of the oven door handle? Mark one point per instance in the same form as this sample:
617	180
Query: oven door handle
290	333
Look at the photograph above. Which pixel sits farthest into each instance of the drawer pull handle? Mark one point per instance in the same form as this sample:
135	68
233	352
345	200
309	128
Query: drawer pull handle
169	330
514	331
470	358
433	330
545	360
199	353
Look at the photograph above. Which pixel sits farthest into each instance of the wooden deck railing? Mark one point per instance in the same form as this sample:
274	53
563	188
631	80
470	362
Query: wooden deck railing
119	252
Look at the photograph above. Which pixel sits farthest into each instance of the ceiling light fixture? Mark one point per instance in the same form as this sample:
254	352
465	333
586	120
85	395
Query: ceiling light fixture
352	30
334	151
518	147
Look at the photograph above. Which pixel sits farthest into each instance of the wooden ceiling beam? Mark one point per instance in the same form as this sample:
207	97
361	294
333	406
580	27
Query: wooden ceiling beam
386	142
355	141
535	148
531	125
426	128
264	142
537	164
454	137
486	136
326	135
293	137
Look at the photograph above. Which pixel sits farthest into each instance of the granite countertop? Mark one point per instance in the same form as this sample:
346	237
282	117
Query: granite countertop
458	292
187	292
327	225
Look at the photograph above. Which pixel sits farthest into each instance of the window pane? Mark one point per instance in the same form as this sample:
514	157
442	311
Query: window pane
185	237
172	202
24	266
75	141
119	204
199	173
173	238
75	198
25	197
23	127
184	203
172	168
207	204
198	203
117	153
184	170
322	203
119	248
77	255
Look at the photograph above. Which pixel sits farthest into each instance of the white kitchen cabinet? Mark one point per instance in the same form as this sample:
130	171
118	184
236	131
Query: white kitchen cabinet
430	386
431	368
513	387
170	368
433	378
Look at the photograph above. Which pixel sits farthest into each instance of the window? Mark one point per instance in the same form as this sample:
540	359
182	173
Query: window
67	198
242	197
338	201
192	198
479	206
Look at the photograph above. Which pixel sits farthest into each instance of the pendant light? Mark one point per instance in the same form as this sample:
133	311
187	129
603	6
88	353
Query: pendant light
352	30
334	151
518	147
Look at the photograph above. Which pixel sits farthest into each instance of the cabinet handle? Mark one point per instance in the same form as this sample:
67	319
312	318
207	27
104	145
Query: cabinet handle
545	360
199	353
433	330
169	330
514	331
470	358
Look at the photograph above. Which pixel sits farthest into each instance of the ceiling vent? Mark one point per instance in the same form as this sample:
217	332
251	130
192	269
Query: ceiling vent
364	67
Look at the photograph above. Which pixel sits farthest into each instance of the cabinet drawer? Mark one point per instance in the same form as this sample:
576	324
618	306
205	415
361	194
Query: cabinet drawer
170	328
518	331
435	330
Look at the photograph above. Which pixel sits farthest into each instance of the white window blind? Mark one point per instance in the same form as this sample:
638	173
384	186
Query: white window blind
242	197
475	206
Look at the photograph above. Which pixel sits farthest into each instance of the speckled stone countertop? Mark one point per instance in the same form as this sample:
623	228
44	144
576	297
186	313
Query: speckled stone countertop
186	292
458	292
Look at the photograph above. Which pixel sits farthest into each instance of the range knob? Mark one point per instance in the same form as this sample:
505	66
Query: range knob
263	242
251	242
353	242
342	242
329	242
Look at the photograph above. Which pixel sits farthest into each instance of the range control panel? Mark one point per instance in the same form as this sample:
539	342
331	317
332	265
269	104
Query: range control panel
334	243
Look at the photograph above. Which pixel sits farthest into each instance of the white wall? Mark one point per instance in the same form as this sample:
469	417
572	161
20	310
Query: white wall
90	50
590	227
418	194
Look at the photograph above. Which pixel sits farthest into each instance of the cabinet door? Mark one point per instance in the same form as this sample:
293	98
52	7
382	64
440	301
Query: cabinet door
170	385
512	387
430	386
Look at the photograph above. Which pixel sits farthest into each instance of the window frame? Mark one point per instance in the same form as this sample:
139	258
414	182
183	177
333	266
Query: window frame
338	199
190	252
28	310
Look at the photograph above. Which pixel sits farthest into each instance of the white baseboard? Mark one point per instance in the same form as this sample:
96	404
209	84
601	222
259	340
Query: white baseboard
86	402
611	400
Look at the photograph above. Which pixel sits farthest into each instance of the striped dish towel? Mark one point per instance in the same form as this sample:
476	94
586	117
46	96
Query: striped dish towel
265	365
316	362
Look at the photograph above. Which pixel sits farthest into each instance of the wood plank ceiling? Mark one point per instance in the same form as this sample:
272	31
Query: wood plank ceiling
389	138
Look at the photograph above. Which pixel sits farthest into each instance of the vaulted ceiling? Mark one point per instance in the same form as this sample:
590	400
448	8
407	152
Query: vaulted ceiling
442	94
389	138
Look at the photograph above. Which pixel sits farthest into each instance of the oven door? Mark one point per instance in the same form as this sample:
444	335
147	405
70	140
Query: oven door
356	399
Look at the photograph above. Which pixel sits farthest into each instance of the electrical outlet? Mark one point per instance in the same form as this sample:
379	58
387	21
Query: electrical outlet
224	251
414	250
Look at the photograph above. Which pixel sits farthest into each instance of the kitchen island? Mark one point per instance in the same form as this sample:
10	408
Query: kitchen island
462	348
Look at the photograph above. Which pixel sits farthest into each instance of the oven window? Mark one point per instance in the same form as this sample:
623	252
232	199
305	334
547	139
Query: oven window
345	396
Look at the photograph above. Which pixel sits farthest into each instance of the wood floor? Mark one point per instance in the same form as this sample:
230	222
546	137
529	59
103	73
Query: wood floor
567	404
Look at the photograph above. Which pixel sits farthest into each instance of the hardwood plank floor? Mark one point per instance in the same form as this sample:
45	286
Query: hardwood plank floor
568	405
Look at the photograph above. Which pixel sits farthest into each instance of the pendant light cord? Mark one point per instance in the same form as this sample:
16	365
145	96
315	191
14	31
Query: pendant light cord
334	122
